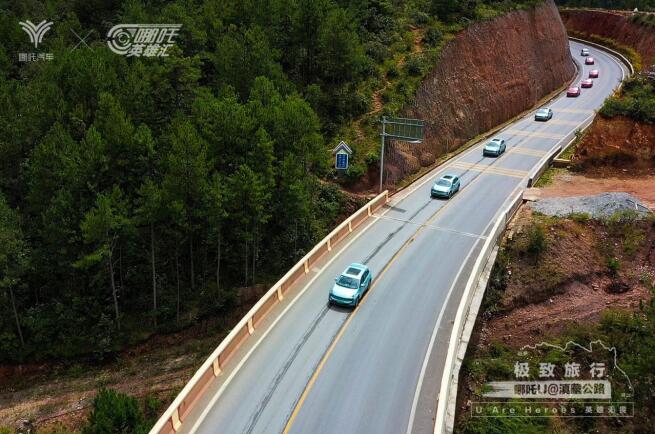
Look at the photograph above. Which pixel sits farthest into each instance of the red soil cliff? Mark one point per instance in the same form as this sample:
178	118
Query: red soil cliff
619	143
489	73
613	25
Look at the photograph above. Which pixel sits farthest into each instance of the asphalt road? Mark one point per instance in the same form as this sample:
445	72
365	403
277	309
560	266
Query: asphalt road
323	369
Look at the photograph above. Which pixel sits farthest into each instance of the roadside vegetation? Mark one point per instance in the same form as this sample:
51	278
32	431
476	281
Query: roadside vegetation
539	268
642	5
630	53
137	195
636	100
141	197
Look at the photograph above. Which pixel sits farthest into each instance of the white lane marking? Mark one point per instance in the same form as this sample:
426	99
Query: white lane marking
238	367
433	337
428	177
428	354
434	227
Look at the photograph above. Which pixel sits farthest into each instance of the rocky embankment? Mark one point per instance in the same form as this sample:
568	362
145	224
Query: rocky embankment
618	142
614	25
489	73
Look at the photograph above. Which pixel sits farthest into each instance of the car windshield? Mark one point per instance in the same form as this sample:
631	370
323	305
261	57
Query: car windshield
347	282
493	145
443	182
543	112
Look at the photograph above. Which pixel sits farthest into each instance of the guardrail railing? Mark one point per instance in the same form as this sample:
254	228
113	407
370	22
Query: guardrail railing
171	421
443	423
615	53
444	419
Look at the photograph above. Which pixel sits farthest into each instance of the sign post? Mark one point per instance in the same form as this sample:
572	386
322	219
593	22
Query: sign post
408	130
342	155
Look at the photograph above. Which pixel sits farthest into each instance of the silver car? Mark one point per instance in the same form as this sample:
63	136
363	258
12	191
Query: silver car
494	148
543	114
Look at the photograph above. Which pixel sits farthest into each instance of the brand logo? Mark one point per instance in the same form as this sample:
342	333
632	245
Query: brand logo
36	32
147	40
565	381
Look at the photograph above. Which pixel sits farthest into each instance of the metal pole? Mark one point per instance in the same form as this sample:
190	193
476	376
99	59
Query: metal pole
384	123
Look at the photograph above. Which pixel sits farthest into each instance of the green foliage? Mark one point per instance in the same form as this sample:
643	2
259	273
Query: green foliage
115	413
537	243
613	265
580	217
433	36
637	100
136	195
630	53
642	5
644	19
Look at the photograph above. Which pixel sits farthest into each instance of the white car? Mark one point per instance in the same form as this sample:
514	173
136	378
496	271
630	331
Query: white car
584	52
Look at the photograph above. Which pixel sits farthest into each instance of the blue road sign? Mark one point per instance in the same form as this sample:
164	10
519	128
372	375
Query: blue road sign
342	161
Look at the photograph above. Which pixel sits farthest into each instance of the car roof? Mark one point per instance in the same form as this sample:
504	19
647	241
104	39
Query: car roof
355	270
448	177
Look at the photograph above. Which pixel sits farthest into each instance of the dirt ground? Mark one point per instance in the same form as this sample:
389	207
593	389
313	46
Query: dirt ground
567	184
51	395
570	286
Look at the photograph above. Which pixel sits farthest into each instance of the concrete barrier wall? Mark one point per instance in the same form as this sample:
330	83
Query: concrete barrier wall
444	421
172	420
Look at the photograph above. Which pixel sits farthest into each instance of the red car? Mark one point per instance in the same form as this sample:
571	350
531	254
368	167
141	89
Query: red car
573	91
587	83
589	61
593	73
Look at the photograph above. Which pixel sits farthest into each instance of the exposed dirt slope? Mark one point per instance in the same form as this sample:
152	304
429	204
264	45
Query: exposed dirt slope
486	75
619	143
613	25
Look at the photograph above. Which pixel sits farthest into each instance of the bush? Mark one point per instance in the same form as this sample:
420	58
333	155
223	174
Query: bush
580	217
613	265
433	37
419	18
537	242
115	412
392	72
414	65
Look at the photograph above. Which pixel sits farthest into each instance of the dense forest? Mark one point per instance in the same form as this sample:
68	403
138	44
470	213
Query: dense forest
136	194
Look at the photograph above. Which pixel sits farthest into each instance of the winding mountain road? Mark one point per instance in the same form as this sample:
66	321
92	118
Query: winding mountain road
317	369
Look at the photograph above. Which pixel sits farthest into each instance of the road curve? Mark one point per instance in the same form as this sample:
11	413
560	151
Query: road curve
319	369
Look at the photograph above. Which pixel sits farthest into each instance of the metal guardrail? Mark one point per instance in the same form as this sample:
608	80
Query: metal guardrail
173	418
444	421
615	53
497	230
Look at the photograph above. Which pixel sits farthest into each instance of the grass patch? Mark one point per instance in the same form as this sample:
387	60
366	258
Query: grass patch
547	177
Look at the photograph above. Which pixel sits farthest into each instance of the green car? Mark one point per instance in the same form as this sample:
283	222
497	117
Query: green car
349	287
